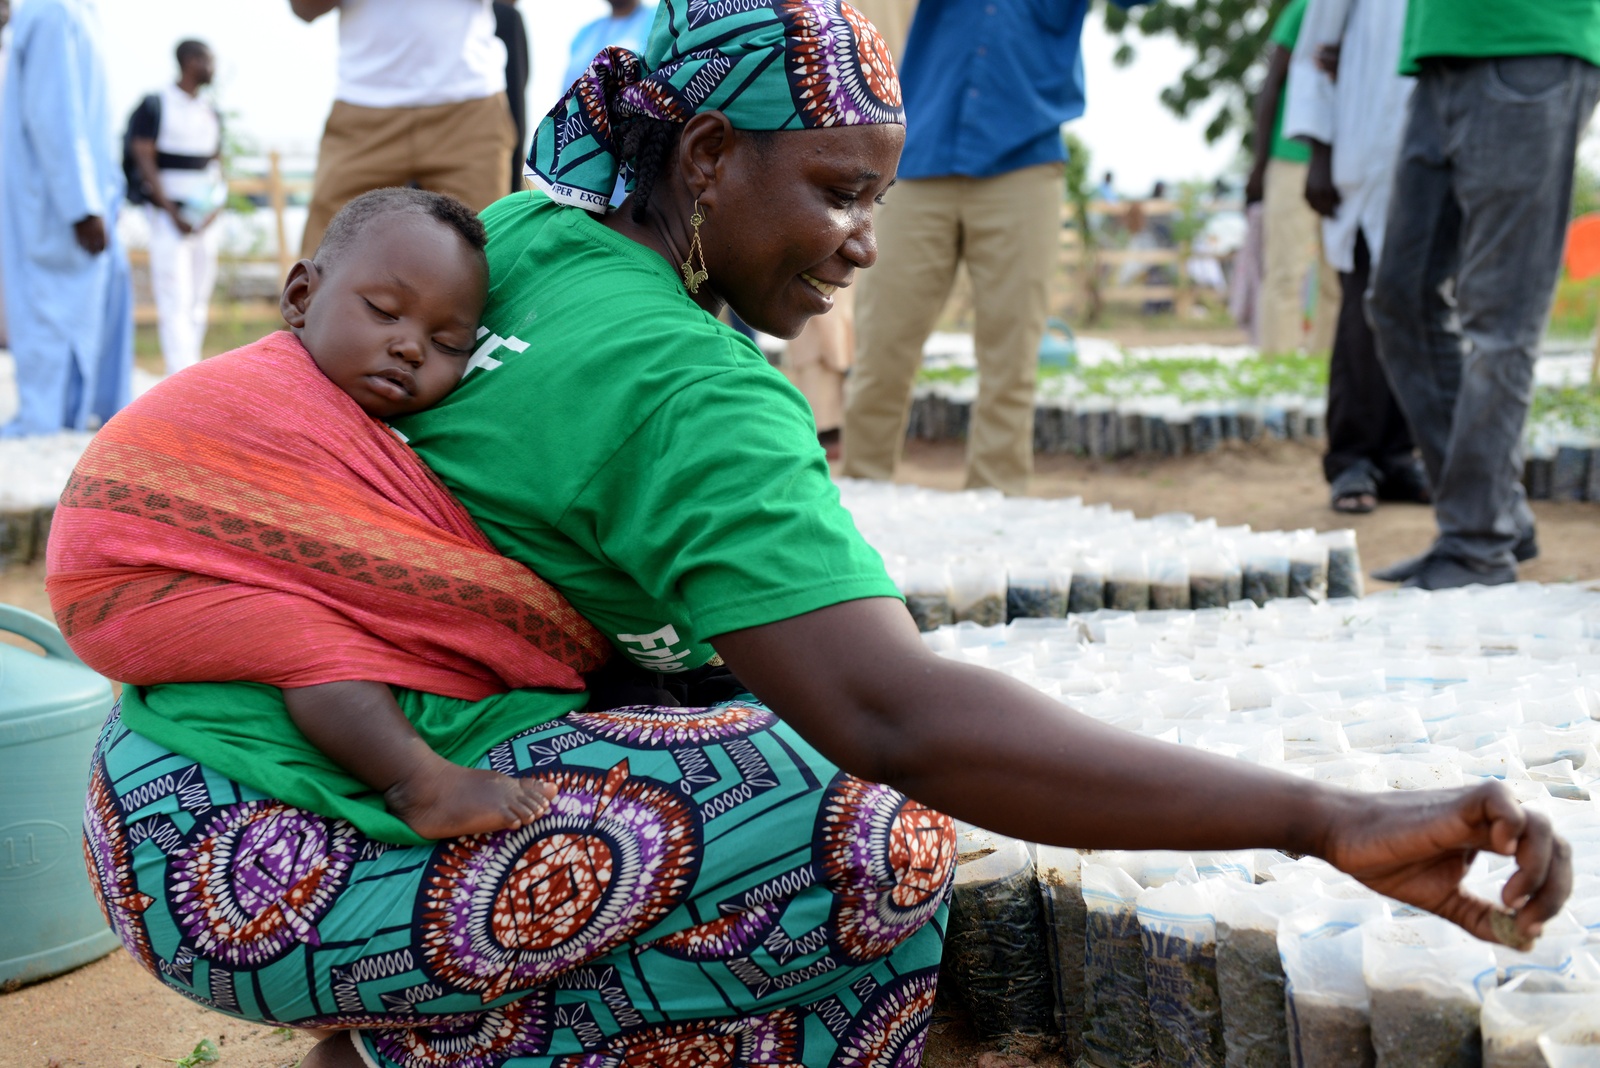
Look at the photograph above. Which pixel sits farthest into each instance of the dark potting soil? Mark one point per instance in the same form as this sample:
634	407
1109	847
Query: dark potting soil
1416	1028
1087	593
1265	584
1326	1035
930	610
1126	596
1344	572
1308	579
1066	918
986	611
994	955
1185	1012
1035	602
1169	595
1250	984
1208	591
1117	1029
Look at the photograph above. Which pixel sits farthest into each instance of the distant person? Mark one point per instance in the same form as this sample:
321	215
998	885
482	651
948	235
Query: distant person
987	87
628	26
1471	252
1106	191
509	27
421	99
1289	227
67	289
1353	126
175	136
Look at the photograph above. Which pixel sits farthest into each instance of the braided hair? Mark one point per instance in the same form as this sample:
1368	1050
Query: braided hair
647	145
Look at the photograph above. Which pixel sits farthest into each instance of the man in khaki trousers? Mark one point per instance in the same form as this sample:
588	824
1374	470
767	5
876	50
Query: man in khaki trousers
1007	230
421	98
987	85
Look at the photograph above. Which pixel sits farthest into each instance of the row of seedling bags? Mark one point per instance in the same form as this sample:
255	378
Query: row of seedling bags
1096	427
33	471
1253	960
1157	575
976	556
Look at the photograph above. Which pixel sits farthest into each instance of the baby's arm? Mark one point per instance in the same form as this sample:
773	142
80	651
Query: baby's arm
360	726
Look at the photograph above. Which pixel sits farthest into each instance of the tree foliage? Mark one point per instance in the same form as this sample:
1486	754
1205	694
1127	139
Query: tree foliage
1229	41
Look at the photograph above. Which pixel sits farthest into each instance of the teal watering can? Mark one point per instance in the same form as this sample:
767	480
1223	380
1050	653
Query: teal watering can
1059	346
51	709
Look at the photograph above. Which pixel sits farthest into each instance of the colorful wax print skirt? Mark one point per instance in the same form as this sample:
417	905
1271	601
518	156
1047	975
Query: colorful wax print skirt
706	889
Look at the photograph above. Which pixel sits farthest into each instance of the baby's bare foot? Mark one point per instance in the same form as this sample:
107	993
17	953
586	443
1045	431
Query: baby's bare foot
448	800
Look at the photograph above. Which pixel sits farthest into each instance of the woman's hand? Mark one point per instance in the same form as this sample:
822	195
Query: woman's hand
1415	846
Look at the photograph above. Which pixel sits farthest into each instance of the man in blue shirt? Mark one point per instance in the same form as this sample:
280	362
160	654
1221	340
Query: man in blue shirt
987	85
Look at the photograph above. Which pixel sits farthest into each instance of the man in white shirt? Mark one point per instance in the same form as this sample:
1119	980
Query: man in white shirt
1353	116
421	98
176	139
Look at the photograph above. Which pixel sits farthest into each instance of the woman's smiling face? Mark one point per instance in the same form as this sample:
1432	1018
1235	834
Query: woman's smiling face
789	219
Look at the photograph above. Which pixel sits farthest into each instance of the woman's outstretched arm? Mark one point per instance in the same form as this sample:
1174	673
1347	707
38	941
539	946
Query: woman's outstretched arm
857	681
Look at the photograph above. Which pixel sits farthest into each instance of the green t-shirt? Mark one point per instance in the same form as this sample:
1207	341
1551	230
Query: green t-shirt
640	456
1285	32
1483	28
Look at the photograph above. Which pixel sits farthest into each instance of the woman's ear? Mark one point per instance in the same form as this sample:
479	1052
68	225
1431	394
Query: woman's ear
304	277
703	153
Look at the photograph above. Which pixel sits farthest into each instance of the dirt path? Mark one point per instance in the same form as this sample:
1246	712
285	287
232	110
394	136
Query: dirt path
112	1015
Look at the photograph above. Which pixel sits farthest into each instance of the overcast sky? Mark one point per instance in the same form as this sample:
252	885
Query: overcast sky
275	75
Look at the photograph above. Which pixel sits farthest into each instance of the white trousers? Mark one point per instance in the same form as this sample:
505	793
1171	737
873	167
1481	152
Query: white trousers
183	272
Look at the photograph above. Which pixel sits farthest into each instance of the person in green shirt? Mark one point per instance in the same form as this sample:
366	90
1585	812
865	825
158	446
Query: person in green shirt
748	881
1291	244
1472	248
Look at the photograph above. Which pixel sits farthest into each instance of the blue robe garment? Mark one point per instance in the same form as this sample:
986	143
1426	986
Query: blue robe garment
70	314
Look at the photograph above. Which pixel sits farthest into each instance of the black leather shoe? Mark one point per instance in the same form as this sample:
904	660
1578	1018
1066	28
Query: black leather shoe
1526	548
1448	573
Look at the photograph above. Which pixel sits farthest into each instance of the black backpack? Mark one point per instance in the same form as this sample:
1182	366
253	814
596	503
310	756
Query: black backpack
144	122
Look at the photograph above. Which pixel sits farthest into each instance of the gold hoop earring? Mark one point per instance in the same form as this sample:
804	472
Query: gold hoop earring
691	277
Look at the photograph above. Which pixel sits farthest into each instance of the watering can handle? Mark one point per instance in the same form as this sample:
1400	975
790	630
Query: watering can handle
38	630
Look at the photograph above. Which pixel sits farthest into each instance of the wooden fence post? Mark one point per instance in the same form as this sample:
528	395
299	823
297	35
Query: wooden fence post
279	201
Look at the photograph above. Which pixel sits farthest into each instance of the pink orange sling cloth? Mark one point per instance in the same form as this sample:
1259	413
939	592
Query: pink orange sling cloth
246	521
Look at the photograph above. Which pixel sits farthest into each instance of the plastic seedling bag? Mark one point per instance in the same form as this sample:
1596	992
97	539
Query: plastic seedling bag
1215	580
927	593
994	946
1087	592
1426	979
1514	1015
1038	590
1128	584
1117	1027
1326	1008
1065	918
1178	930
1250	982
1573	1046
1169	579
1308	567
1266	569
1344	563
978	592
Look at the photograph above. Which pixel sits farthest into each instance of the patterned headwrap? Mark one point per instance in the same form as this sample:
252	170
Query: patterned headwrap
766	64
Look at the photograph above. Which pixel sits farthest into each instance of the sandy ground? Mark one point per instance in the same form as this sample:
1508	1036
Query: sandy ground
112	1015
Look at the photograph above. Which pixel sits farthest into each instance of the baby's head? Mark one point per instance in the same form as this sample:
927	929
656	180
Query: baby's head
389	306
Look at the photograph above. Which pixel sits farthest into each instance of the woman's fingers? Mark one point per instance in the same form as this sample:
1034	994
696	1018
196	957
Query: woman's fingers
1535	852
1546	900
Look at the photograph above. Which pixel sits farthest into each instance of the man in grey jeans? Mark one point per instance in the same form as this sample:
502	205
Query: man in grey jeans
1475	230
